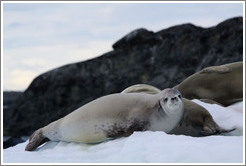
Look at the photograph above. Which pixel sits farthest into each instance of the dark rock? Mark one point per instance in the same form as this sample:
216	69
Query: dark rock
135	38
162	59
10	96
12	141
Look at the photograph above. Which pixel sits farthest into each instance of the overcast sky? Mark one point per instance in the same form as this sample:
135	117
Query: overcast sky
38	37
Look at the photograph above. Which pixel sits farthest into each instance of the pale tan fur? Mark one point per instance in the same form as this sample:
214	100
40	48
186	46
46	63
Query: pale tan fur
196	120
223	84
114	116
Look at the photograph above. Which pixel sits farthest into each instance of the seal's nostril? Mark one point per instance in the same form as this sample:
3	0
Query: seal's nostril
174	98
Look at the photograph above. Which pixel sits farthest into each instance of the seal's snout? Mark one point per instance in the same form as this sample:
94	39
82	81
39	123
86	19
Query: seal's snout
174	98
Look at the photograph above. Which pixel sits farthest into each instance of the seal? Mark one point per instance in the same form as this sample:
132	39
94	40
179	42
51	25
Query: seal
113	116
196	120
222	84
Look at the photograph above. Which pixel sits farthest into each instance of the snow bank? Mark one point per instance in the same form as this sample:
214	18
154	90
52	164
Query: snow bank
147	147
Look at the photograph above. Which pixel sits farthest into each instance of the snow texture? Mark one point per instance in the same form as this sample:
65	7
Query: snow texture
148	147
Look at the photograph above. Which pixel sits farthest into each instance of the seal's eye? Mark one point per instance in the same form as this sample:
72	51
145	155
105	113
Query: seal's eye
179	96
165	100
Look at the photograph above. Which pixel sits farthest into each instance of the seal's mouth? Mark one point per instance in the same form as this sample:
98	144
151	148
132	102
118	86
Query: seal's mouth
174	104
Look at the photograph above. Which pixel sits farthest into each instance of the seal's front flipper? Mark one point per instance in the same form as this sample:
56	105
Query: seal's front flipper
35	140
210	127
218	130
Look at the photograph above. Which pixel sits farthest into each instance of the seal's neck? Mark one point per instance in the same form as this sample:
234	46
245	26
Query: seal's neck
163	120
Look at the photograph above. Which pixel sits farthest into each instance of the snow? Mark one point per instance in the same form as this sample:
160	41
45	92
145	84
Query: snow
148	147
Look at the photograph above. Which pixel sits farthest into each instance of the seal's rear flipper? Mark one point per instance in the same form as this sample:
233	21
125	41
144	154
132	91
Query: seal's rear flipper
226	131
35	140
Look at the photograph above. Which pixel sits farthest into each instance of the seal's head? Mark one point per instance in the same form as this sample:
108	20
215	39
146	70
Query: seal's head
171	101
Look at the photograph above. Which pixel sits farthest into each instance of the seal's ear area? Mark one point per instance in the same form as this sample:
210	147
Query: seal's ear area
162	102
216	69
35	140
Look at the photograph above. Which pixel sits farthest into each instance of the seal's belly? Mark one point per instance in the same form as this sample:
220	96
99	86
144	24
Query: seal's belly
101	119
108	117
98	130
90	130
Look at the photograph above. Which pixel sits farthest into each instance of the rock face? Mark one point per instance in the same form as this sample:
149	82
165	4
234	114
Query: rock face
9	97
12	142
162	59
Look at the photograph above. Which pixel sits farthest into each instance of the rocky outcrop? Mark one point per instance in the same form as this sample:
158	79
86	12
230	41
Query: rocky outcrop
12	142
9	97
162	59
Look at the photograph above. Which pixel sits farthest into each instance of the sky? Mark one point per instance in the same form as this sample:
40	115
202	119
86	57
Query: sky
38	37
